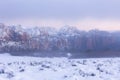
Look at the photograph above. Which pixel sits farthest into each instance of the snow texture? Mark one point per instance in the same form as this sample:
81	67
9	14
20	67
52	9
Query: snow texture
31	68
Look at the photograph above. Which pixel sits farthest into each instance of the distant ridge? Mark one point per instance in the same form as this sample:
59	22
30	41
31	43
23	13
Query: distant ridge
67	38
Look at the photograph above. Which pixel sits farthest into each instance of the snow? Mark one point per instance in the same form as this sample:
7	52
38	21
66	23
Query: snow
69	54
32	68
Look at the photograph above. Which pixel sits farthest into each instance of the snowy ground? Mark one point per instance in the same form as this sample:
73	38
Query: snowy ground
31	68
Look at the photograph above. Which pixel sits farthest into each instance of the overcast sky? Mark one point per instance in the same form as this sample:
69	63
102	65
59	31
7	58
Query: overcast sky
85	14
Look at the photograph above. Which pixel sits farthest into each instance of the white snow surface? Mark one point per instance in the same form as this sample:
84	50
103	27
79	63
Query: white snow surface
32	68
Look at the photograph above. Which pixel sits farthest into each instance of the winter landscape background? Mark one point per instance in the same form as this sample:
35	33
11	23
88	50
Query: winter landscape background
67	53
47	41
60	40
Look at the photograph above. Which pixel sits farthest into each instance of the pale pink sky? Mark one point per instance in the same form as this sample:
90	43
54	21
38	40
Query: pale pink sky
84	24
85	14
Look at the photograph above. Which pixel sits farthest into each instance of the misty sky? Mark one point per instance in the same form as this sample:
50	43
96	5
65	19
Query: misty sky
85	14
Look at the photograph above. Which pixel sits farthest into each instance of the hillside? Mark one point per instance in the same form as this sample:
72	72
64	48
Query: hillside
67	38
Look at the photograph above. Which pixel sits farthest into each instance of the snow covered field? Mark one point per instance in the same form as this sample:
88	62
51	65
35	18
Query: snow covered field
31	68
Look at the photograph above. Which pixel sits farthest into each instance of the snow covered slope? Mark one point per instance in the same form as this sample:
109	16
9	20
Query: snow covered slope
67	39
31	68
